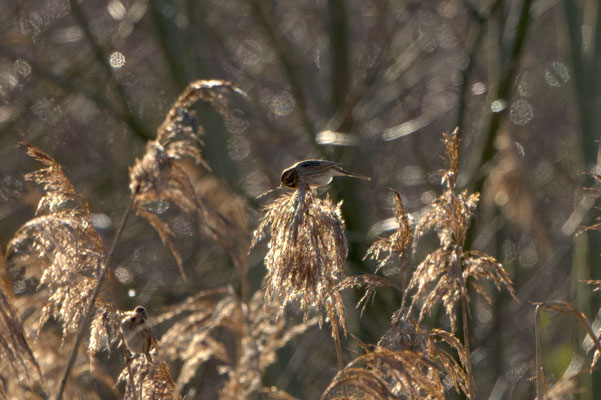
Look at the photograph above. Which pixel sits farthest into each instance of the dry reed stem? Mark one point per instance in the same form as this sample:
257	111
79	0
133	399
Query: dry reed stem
160	176
565	307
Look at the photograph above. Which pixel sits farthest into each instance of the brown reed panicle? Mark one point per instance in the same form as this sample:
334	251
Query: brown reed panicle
443	275
63	237
160	176
404	334
147	381
397	244
387	374
196	336
307	251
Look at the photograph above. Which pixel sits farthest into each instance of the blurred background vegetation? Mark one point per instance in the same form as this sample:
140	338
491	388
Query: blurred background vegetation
371	84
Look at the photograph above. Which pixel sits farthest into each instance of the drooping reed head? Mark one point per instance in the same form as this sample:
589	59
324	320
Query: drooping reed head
307	251
160	175
63	238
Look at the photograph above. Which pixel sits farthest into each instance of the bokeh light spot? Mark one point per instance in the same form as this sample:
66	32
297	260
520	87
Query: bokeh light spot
117	60
521	112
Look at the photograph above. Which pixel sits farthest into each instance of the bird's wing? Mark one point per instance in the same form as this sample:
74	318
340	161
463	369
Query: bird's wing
316	163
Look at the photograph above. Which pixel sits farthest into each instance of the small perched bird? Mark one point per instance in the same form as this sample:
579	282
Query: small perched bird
314	173
136	332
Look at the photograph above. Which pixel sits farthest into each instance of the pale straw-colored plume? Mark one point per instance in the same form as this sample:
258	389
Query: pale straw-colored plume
196	336
161	174
63	238
307	251
442	277
147	381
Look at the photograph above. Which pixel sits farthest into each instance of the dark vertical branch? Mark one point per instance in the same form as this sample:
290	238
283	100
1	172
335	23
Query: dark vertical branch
340	67
585	63
128	116
287	63
474	38
175	65
503	92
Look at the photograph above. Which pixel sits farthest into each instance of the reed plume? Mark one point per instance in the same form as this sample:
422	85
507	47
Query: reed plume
64	239
406	364
387	374
398	244
196	336
147	381
307	251
161	173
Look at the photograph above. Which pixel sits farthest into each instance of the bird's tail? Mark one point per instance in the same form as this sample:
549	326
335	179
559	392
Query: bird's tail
352	174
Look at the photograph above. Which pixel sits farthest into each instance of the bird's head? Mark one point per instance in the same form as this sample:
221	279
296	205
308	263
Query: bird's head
289	178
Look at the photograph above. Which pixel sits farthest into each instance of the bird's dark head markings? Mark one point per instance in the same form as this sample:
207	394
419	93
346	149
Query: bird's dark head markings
289	179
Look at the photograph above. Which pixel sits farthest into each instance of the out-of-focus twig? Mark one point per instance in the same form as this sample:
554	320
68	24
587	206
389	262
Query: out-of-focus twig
287	63
474	38
130	118
503	92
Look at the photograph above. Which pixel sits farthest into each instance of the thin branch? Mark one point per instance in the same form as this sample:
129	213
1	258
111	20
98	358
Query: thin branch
86	317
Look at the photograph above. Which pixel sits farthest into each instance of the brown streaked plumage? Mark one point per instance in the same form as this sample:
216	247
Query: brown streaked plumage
136	332
314	173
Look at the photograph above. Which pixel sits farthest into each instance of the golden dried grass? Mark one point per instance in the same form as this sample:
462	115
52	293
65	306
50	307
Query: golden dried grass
63	238
159	175
306	252
196	336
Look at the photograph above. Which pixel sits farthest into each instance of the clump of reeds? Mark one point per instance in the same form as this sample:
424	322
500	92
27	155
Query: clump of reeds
441	278
196	336
62	239
161	175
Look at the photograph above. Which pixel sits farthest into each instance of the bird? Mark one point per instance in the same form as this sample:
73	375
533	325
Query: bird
314	173
136	332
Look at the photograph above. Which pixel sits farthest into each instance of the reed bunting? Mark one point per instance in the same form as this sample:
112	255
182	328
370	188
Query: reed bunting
314	173
136	332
